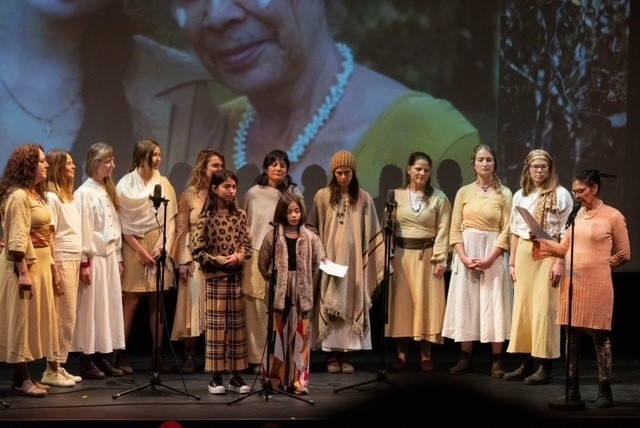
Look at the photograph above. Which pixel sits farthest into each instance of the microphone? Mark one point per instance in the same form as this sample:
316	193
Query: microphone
574	213
157	198
391	198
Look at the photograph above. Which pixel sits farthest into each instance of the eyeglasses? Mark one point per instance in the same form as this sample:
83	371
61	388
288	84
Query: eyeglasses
579	191
542	167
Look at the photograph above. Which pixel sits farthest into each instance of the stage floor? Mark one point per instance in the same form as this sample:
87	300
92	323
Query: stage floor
409	398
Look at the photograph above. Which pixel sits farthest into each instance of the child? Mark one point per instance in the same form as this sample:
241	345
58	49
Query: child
221	244
297	255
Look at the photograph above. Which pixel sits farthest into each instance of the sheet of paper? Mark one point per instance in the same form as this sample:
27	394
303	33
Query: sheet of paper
534	227
332	268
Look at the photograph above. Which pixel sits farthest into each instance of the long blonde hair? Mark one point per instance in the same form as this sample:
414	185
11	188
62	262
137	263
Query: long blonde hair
97	153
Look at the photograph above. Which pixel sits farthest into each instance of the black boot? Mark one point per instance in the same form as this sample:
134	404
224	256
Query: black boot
102	362
497	367
525	369
88	369
542	376
605	398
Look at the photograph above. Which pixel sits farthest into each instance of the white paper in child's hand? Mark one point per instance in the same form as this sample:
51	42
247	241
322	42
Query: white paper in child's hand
332	268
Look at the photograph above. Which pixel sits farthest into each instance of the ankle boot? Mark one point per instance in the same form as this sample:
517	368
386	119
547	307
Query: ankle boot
574	389
102	362
525	369
542	376
497	367
121	361
464	364
605	397
88	369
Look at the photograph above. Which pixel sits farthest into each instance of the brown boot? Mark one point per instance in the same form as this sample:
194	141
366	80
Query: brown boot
525	369
88	369
542	376
497	367
164	365
464	364
102	362
121	361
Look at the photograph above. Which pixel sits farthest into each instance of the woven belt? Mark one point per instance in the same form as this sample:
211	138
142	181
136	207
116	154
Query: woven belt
414	243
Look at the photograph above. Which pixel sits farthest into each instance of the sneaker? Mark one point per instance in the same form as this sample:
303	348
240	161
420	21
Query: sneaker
237	385
334	367
69	376
216	386
56	379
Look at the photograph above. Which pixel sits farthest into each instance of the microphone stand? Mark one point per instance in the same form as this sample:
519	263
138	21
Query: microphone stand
267	386
381	376
160	265
567	404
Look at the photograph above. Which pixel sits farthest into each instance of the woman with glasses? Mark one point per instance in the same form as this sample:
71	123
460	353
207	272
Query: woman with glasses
534	332
601	244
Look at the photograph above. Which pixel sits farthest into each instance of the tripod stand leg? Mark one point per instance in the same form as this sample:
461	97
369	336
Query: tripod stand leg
381	377
153	382
268	391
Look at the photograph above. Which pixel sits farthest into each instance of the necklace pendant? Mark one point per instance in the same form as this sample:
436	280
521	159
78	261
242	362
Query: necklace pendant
48	129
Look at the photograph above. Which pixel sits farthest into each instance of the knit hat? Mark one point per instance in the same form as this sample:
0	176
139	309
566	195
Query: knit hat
343	159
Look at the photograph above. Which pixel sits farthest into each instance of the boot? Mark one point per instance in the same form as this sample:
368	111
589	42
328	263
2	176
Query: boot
497	367
574	389
164	366
102	362
605	398
88	369
464	364
121	361
525	369
542	376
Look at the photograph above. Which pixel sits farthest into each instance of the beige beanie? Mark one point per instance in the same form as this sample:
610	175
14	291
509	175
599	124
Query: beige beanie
343	159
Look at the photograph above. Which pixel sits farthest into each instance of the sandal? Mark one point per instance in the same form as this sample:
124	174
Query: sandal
29	389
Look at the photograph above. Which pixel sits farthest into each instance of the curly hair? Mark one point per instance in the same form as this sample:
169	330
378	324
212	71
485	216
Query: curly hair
20	171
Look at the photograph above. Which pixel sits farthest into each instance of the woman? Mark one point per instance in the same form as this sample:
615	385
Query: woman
534	332
295	253
189	320
100	327
421	223
304	92
28	321
81	74
221	261
147	239
600	245
345	217
66	272
478	304
259	204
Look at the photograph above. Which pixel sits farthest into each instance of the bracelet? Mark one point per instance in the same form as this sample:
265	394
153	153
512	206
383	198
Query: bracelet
512	265
85	264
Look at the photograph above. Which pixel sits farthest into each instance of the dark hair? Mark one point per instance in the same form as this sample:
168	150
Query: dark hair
415	157
336	194
590	177
219	177
282	207
275	156
20	171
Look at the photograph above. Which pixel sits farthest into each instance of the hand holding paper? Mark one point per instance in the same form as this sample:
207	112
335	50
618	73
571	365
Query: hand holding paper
534	227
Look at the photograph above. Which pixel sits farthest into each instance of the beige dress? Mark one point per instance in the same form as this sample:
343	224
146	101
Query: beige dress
189	318
416	296
28	328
